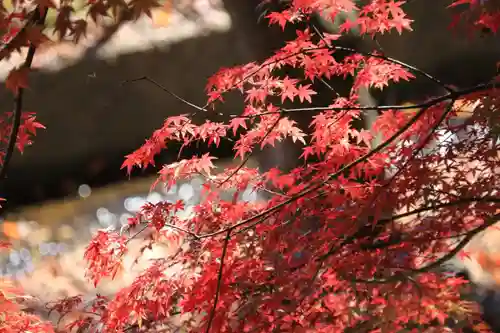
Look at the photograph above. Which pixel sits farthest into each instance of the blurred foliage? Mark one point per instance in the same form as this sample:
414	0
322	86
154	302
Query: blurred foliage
80	10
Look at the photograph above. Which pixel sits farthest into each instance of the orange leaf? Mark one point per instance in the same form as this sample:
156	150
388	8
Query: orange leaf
161	17
10	230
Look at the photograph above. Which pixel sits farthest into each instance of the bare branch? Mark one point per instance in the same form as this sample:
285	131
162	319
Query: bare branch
168	91
262	215
397	62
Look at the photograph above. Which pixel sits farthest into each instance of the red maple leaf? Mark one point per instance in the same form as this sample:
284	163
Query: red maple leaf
304	93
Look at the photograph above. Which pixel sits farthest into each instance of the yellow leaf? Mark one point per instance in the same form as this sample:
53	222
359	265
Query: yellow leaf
161	17
139	322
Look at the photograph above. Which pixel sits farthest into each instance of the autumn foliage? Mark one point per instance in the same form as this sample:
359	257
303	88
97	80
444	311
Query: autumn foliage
350	241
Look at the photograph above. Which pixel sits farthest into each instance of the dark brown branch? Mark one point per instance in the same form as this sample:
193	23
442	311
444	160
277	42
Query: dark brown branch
243	79
316	187
436	264
219	281
397	62
168	91
38	18
205	107
490	222
261	216
396	240
429	103
451	93
443	205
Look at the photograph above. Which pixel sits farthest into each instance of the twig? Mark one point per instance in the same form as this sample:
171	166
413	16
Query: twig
168	91
382	108
321	79
219	281
245	161
37	18
397	62
274	61
443	205
173	226
243	79
349	166
451	92
137	233
491	221
313	188
402	276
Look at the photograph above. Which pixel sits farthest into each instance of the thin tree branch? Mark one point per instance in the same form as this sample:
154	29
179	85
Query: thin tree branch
37	18
321	184
168	91
219	282
382	108
243	79
460	201
137	233
305	50
402	276
397	62
440	206
490	222
261	216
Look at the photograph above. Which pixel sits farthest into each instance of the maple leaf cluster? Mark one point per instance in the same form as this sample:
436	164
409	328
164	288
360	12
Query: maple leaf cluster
27	129
481	15
352	239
